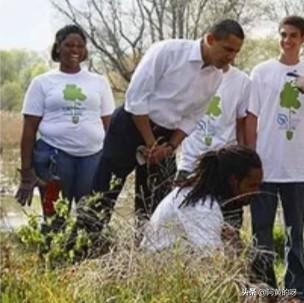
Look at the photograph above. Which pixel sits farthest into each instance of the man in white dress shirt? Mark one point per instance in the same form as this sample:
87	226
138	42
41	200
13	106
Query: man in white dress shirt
168	93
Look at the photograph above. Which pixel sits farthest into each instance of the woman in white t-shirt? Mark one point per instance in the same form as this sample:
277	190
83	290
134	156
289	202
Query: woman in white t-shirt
191	214
68	110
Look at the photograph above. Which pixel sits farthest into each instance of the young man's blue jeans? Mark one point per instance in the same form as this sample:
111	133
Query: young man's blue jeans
263	210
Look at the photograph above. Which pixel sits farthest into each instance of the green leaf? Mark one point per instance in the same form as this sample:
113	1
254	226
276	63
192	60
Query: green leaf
73	93
289	97
214	108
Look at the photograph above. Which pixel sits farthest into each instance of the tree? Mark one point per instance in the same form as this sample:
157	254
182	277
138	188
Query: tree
11	93
30	72
121	31
281	8
18	67
255	51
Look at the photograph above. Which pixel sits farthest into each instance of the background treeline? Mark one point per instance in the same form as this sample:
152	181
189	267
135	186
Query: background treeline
17	68
120	32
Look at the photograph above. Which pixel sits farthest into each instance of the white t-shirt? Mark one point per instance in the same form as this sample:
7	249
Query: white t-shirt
71	107
218	126
198	226
170	85
279	107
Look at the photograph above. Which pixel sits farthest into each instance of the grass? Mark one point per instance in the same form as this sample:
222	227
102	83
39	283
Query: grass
10	130
23	278
10	134
125	273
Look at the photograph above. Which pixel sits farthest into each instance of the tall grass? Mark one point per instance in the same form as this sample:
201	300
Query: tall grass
125	273
10	129
10	133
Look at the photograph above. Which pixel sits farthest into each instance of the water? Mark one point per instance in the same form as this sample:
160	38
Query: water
12	220
13	215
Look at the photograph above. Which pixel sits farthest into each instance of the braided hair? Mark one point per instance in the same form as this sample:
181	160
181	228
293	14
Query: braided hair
211	175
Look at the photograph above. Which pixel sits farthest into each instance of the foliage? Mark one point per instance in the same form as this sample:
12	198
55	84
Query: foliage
51	240
256	50
120	34
125	274
11	93
18	67
24	278
280	8
279	241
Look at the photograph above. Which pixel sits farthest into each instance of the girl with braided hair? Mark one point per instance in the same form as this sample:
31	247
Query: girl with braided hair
192	212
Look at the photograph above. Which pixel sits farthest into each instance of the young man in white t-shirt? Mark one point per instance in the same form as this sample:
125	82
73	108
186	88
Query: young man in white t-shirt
275	127
223	124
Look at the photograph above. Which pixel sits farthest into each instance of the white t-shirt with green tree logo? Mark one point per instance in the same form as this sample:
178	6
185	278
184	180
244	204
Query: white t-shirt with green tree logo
218	126
71	107
279	106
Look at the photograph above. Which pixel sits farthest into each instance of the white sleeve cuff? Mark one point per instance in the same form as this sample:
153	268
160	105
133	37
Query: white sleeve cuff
253	111
138	108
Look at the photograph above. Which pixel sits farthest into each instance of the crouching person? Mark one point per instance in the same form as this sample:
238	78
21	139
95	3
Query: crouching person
192	212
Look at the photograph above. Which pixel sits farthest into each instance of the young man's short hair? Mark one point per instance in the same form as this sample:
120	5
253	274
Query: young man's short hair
295	21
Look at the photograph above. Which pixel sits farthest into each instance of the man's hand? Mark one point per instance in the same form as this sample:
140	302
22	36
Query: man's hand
153	155
159	152
28	180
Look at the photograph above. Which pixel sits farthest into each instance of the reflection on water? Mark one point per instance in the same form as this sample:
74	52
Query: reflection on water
12	215
12	220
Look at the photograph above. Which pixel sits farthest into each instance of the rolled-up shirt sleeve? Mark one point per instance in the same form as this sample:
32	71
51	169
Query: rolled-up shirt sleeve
145	78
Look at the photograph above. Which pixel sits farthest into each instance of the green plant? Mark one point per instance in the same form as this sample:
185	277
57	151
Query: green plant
279	241
51	238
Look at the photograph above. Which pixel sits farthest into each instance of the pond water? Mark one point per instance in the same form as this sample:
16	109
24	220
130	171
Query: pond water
12	215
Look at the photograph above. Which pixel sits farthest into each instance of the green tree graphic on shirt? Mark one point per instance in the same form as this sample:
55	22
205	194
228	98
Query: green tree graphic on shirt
73	93
213	111
289	99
